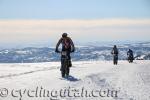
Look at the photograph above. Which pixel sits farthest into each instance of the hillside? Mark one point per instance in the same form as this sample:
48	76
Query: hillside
83	53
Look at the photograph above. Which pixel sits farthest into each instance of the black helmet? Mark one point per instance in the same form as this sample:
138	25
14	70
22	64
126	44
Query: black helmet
64	35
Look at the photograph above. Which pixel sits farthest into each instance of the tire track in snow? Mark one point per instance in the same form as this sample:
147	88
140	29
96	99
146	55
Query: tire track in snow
28	72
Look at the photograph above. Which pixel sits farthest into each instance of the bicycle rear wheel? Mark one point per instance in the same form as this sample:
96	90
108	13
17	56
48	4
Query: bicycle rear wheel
65	68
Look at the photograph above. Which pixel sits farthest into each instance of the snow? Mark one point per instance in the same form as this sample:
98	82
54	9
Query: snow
127	81
23	52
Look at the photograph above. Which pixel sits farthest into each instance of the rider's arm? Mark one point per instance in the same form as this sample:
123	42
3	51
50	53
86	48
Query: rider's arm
72	44
57	45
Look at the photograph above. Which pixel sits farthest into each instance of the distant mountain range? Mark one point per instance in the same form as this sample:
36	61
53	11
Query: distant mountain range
83	53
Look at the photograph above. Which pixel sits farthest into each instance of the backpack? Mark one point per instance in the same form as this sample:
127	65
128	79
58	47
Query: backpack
66	42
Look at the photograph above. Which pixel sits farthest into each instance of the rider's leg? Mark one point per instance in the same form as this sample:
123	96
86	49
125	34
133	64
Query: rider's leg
116	59
62	67
67	71
61	64
69	58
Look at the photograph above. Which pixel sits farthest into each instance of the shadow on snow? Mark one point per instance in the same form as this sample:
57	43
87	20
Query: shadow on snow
72	78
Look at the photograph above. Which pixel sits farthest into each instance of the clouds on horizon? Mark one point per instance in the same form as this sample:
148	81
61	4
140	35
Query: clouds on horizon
14	31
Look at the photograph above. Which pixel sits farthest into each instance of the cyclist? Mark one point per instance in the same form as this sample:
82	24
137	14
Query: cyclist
67	46
114	52
130	56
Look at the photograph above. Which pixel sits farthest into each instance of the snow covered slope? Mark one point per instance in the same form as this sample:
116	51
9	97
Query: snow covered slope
90	80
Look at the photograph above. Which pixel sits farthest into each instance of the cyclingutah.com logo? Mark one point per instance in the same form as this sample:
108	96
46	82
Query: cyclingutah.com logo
57	94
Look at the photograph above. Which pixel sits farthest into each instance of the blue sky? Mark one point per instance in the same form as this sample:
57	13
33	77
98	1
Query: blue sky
41	22
74	9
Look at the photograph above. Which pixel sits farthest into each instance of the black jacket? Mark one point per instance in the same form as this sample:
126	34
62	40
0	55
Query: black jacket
114	51
70	45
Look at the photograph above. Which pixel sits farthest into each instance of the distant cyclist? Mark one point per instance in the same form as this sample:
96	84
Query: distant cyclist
67	46
130	56
114	52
